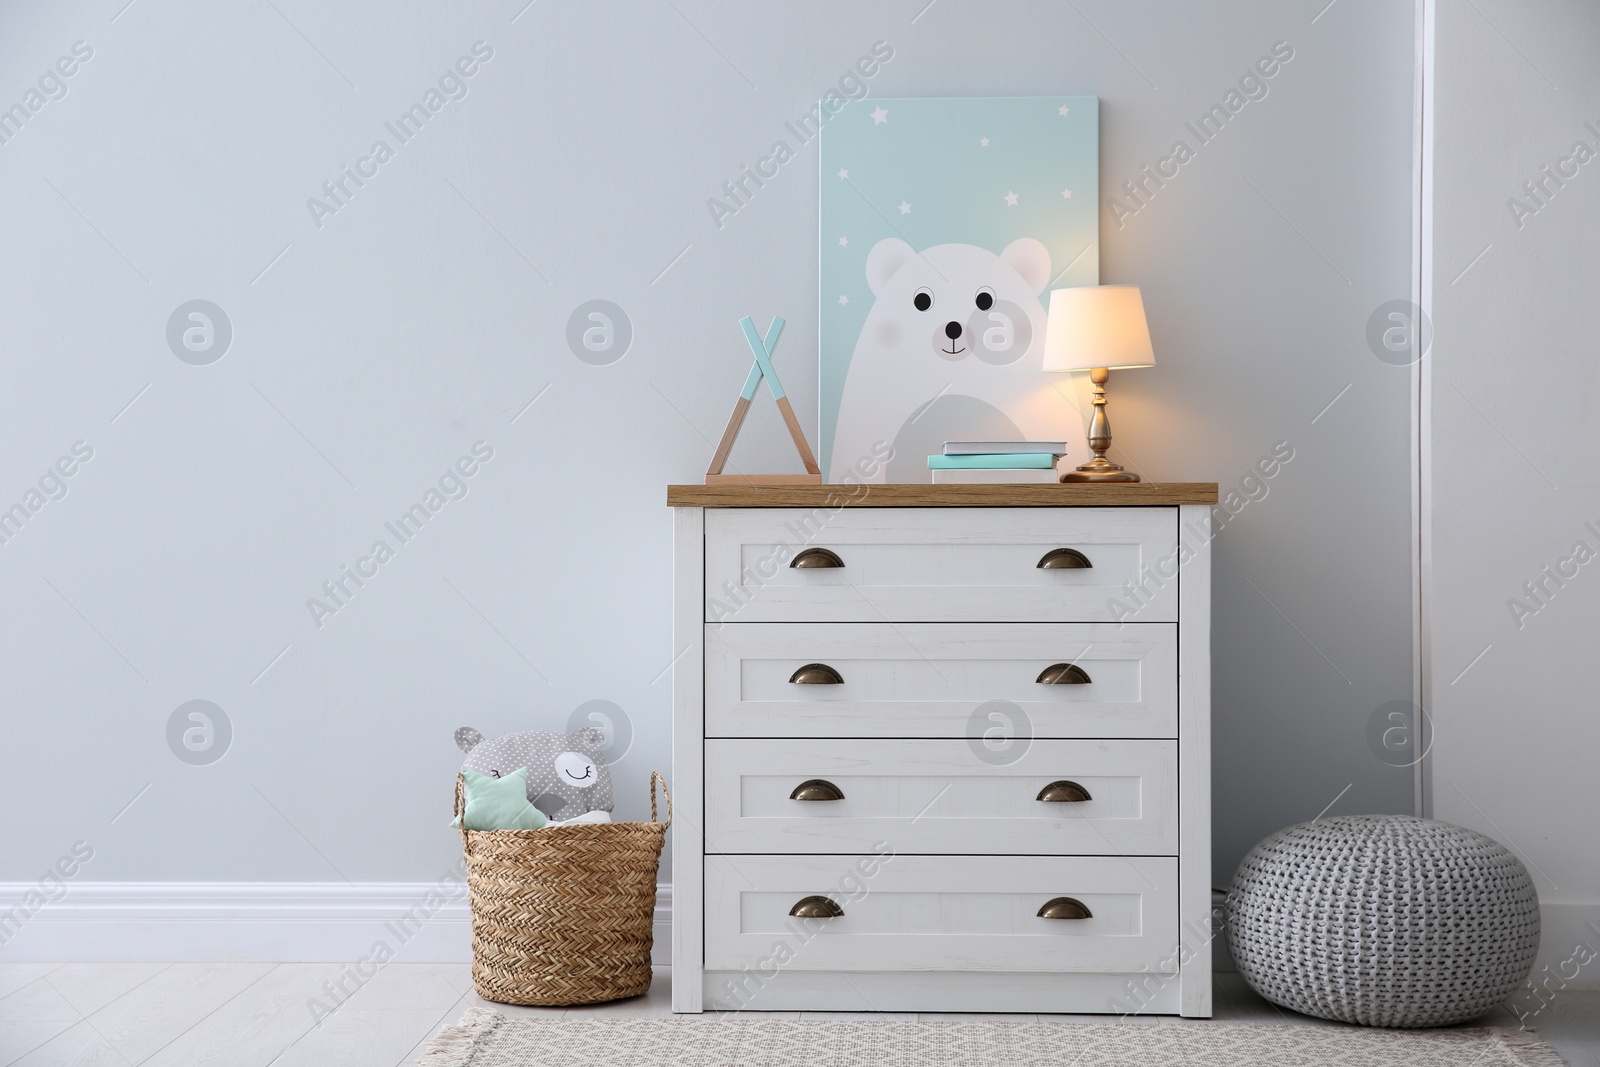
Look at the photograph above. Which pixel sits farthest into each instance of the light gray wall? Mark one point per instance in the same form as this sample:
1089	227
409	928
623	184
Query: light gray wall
1516	449
368	354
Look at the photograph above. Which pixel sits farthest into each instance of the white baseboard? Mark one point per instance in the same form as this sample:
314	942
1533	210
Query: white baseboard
311	922
331	922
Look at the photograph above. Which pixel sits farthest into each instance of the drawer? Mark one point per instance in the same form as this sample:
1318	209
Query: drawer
947	680
941	565
940	797
925	913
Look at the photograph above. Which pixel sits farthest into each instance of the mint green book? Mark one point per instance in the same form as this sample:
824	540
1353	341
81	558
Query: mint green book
1011	461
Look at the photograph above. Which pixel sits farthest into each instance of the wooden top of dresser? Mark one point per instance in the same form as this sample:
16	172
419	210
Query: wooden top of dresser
914	495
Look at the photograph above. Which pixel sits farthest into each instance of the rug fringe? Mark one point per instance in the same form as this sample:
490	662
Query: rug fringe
1529	1049
453	1045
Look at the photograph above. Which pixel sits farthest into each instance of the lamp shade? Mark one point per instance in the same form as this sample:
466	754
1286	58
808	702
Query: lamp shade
1097	326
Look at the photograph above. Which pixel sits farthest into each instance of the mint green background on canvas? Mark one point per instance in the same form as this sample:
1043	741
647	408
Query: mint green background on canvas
928	153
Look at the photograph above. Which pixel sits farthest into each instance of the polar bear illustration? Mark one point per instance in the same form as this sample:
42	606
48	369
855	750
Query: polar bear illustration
951	350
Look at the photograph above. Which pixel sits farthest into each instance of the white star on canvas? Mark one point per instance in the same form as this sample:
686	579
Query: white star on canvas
880	116
905	208
1011	200
1062	110
1066	194
844	242
843	300
843	174
983	142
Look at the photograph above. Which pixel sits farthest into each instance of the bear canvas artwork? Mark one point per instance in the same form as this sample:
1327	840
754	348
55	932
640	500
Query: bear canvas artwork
944	225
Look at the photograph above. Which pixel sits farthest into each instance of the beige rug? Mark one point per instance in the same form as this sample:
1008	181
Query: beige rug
486	1038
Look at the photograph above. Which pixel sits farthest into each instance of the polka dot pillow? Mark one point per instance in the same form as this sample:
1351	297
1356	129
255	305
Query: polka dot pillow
567	776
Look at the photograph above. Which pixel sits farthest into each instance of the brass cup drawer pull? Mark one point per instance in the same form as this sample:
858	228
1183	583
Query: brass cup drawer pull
817	789
1063	792
818	557
1059	908
822	674
1061	674
1063	559
816	907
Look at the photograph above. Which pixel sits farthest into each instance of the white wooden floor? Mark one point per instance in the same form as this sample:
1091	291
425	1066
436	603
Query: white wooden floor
253	1015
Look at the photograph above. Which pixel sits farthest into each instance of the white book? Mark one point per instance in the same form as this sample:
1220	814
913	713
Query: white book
995	476
1004	448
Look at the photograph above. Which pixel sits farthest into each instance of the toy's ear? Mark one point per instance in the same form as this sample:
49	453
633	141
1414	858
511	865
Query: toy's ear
468	738
1031	260
886	257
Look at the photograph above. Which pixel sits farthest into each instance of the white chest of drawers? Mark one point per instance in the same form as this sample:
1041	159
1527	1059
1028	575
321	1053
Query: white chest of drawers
942	748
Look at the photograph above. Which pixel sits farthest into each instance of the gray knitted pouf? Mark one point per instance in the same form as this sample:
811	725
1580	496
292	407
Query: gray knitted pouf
1383	920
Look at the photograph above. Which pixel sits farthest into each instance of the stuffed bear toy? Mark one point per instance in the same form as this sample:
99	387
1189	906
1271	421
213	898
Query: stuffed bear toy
567	777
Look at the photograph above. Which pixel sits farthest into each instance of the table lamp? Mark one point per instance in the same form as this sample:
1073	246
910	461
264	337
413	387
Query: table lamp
1097	328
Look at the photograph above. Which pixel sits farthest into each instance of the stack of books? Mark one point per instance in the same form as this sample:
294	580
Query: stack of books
992	462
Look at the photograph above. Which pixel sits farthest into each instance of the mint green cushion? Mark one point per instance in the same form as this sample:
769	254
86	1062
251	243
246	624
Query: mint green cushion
500	803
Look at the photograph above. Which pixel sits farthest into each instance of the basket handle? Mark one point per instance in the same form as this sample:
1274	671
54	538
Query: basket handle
656	779
461	807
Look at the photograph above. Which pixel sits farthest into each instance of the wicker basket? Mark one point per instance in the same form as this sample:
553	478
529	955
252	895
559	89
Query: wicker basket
563	915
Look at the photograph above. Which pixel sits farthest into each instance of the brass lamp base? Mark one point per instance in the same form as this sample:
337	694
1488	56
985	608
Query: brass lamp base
1110	472
1099	469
